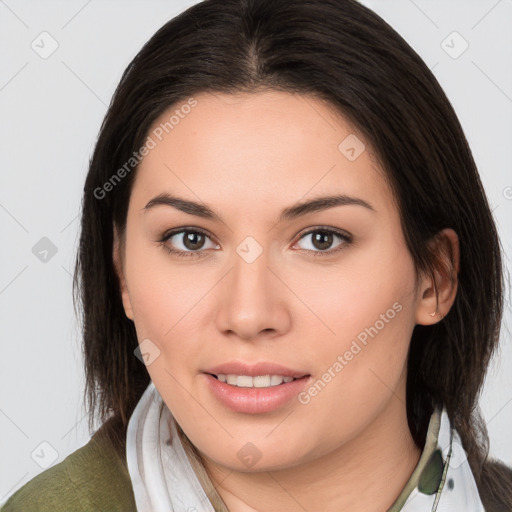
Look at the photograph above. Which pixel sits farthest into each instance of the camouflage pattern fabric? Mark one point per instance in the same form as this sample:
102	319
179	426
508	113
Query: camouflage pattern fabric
442	480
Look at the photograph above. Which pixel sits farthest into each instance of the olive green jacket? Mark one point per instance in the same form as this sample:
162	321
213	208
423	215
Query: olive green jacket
93	478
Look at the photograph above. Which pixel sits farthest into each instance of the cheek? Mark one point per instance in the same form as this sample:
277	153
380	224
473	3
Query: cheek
162	294
166	302
359	291
364	309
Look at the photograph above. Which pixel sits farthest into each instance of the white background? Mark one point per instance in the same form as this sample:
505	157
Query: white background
50	114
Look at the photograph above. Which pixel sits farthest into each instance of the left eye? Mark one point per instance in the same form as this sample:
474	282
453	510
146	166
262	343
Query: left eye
322	240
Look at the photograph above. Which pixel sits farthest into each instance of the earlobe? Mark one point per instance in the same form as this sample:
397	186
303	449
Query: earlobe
117	258
437	293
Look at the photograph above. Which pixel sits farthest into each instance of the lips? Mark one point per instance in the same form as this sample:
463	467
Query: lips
254	370
254	399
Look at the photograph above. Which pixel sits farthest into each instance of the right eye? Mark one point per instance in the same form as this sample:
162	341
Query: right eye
188	242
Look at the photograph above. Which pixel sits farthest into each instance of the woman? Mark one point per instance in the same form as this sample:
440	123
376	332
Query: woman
290	277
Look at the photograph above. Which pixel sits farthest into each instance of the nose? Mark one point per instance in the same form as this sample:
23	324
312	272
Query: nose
253	300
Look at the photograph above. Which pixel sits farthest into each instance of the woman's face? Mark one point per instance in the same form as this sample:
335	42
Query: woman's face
327	294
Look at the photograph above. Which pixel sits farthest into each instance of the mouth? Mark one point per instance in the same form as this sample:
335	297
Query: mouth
254	375
255	388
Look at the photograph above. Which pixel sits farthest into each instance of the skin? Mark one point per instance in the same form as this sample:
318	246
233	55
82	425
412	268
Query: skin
248	156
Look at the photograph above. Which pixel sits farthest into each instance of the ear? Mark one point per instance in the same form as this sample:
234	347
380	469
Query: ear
117	257
436	296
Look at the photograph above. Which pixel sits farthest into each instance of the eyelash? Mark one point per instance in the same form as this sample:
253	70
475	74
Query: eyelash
347	240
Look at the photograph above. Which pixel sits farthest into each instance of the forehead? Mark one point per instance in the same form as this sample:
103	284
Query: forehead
266	147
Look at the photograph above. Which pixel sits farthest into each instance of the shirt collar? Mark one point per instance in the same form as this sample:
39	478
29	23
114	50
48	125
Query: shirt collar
442	480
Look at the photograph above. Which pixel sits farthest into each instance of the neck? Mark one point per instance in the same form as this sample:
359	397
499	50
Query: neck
368	473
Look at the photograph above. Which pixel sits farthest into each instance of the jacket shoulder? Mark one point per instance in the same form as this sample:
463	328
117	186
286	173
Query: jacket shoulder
93	477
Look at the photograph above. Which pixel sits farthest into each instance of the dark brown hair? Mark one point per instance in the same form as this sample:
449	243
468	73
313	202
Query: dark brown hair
341	52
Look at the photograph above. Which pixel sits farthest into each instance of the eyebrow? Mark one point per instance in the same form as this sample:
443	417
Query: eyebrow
290	213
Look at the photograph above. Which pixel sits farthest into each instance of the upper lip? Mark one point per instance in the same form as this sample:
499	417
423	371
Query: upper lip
254	369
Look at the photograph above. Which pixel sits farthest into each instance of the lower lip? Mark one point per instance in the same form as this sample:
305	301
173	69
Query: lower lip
255	400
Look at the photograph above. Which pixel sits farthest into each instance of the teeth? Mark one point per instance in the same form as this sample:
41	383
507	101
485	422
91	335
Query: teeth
243	381
261	381
275	380
231	379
